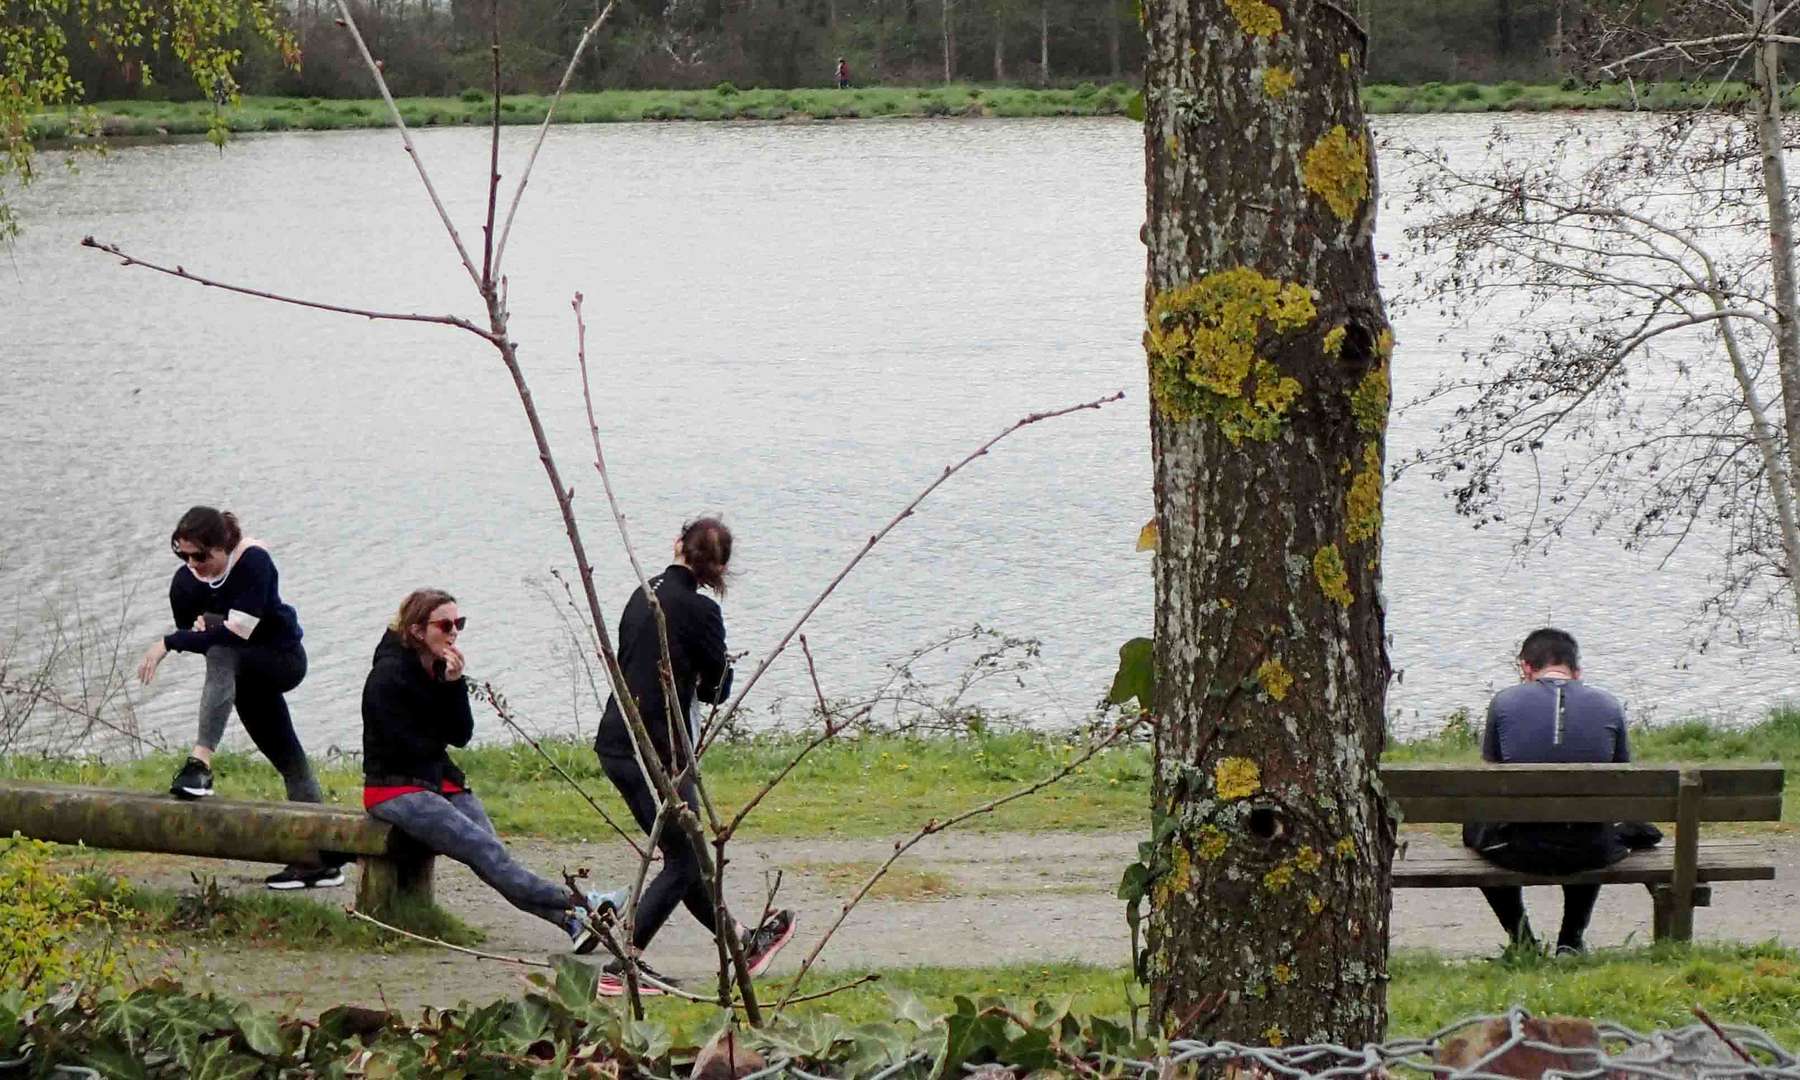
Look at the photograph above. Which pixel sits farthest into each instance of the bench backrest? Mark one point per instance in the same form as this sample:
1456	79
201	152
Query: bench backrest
1463	793
216	828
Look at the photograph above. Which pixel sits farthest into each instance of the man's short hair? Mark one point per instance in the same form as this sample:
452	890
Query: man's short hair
1549	647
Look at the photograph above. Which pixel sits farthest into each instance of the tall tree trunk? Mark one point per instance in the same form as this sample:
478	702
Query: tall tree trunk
1268	352
1113	18
949	45
1000	45
1503	28
1767	73
1044	42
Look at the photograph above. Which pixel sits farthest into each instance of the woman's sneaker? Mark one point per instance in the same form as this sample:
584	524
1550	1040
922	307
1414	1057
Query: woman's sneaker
193	781
762	943
595	906
306	876
612	980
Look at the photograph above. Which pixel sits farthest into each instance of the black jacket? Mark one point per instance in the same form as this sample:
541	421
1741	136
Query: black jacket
696	650
409	717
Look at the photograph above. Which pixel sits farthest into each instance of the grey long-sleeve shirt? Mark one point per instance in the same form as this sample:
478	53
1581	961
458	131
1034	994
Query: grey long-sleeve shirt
1552	720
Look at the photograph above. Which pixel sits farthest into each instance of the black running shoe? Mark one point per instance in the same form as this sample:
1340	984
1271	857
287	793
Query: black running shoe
194	781
651	983
306	876
762	943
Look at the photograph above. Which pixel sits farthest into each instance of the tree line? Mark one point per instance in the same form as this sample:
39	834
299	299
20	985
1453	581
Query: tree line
441	47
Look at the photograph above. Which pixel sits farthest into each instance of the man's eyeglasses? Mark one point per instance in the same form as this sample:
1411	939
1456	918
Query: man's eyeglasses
446	625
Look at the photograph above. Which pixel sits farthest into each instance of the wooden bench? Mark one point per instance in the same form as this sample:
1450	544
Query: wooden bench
393	866
1677	872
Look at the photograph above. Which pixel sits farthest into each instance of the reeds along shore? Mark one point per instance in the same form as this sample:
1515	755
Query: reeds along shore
727	102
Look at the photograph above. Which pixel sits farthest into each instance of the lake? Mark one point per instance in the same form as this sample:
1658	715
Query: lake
796	325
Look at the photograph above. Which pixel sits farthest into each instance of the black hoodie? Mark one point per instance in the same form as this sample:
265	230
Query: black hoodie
696	648
409	716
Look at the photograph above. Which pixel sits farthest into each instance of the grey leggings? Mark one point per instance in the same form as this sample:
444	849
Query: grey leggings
457	826
254	678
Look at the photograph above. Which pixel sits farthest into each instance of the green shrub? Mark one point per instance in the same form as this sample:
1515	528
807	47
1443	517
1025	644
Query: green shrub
1086	89
472	95
725	89
276	123
1467	92
48	928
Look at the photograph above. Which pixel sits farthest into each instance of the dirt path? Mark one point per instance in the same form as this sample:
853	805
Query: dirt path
979	899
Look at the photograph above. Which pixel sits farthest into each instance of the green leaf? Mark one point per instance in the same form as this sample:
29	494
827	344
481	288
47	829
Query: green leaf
1136	677
1136	882
215	1061
262	1032
1134	106
905	1005
577	985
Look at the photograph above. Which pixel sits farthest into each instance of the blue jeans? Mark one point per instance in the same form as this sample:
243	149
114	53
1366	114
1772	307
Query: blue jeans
457	826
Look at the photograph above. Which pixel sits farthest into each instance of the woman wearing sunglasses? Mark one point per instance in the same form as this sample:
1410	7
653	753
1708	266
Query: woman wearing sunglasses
415	704
227	603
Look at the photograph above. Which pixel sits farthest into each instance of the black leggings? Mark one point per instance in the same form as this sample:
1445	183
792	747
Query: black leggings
680	881
264	675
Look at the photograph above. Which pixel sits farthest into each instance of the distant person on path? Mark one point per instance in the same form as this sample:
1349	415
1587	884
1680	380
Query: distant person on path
227	605
843	74
700	669
415	703
1550	717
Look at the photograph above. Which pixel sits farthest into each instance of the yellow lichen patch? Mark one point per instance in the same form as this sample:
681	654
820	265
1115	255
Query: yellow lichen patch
1308	860
1202	341
1283	974
1256	17
1369	401
1236	778
1277	81
1314	905
1336	169
1334	342
1278	879
1273	1035
1363	504
1344	60
1334	580
1212	843
1275	678
1345	849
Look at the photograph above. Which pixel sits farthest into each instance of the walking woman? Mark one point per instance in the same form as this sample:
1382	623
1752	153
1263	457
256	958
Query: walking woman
414	705
227	603
700	669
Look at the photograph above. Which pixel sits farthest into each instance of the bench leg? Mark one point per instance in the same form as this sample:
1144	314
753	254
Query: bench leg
388	880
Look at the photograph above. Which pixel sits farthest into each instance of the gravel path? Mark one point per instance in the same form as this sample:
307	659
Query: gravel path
1009	898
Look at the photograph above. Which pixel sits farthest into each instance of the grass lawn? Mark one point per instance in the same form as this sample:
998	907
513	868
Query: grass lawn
1641	988
877	786
726	102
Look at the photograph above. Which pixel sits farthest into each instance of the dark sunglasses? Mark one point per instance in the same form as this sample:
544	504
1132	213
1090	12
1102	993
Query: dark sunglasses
446	625
190	556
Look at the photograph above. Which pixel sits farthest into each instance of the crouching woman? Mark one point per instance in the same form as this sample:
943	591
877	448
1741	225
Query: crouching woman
415	704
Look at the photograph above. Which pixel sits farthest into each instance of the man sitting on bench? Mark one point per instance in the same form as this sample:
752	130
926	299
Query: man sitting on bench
1551	716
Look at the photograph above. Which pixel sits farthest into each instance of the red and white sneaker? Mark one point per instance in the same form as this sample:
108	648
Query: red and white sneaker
612	980
761	944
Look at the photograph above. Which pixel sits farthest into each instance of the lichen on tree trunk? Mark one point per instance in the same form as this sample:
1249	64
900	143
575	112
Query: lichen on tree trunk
1268	352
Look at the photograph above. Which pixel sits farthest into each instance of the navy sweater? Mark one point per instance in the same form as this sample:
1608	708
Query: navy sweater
251	586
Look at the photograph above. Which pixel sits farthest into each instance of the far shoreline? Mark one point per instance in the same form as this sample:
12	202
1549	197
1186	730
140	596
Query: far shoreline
140	119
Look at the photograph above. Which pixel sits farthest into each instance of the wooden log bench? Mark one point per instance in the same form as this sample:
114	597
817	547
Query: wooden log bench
1678	872
394	867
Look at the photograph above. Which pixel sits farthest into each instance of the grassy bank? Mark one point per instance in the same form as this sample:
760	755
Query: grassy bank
725	102
877	786
1641	988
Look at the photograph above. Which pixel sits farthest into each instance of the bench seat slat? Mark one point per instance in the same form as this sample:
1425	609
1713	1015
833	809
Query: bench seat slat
1594	781
1461	808
1733	860
218	828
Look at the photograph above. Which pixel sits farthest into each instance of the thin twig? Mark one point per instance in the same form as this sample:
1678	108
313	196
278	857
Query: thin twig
45	694
182	273
412	151
831	731
497	702
487	230
1723	1037
478	954
544	128
901	847
905	512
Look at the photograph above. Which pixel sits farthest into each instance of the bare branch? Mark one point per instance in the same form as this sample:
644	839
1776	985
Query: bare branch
182	273
478	954
905	512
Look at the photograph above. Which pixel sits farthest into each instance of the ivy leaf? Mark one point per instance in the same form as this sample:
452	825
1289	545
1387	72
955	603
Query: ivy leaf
576	985
1136	677
905	1005
262	1032
215	1061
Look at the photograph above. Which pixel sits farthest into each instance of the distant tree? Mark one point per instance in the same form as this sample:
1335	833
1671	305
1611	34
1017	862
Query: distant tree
1268	352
